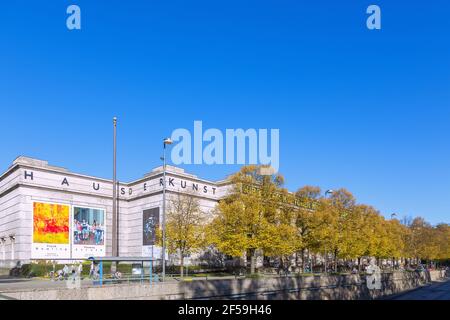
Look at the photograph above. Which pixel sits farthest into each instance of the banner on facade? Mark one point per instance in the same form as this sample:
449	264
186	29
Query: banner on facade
51	231
150	226
88	233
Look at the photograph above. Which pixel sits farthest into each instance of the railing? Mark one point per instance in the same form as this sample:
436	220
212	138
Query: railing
127	279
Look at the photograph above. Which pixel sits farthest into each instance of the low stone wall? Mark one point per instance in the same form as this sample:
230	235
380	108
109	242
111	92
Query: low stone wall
351	287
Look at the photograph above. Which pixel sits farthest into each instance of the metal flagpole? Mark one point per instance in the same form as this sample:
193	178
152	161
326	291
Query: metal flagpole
114	217
167	141
163	254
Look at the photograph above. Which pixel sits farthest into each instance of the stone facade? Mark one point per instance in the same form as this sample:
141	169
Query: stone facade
29	180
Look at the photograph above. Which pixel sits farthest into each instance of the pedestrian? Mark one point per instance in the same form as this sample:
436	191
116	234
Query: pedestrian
92	271
66	271
80	269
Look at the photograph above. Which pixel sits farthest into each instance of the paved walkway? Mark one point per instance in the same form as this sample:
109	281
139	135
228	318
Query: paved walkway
13	285
435	291
25	284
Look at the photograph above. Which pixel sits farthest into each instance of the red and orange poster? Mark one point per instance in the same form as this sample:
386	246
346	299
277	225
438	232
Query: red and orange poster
51	224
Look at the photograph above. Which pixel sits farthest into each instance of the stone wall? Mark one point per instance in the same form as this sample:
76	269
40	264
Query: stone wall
351	287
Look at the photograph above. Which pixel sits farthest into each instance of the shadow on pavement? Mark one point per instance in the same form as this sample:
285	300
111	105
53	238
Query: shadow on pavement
7	279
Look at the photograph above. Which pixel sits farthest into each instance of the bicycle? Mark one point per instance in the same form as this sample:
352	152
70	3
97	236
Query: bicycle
58	276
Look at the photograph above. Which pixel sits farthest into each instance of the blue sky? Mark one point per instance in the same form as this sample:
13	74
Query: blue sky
365	110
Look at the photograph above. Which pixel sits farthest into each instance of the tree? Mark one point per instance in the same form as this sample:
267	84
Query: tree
185	225
418	241
305	221
342	205
260	216
285	236
245	219
355	231
442	236
396	233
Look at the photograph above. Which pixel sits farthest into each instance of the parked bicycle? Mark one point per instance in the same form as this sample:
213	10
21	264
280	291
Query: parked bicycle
59	275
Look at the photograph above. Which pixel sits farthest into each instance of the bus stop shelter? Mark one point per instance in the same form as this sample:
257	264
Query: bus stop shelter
129	260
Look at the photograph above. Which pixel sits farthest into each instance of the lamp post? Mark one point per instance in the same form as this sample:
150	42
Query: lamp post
328	192
394	217
115	230
167	142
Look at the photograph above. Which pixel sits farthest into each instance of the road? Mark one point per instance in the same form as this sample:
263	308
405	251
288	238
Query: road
435	291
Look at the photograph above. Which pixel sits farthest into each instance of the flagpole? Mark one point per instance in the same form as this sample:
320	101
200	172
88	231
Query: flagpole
114	215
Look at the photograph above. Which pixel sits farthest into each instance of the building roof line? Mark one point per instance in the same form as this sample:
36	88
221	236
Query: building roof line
31	163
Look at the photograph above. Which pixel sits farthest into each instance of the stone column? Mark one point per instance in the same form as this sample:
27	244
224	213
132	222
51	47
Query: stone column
3	243
13	242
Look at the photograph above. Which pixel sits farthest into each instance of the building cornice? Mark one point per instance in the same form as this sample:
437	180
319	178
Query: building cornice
152	175
89	194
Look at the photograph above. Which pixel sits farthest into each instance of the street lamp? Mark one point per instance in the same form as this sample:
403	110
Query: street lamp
115	233
394	216
166	142
328	192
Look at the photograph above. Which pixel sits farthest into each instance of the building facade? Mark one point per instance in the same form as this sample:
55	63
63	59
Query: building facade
50	213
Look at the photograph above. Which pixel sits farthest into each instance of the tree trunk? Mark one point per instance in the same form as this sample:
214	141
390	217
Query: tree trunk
336	261
314	262
303	260
252	261
182	266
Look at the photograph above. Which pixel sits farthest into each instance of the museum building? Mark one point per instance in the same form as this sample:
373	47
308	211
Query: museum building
50	213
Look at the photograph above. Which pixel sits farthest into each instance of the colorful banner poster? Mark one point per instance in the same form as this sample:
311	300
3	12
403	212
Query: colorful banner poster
88	233
150	225
51	231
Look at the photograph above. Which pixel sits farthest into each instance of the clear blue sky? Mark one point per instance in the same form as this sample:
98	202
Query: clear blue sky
365	110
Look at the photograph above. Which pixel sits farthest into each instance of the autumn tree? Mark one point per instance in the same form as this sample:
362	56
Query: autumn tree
306	221
417	239
244	222
442	236
185	226
342	206
396	246
356	232
286	237
322	237
259	216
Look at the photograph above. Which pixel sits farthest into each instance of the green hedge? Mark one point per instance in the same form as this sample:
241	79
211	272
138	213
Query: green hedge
43	270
